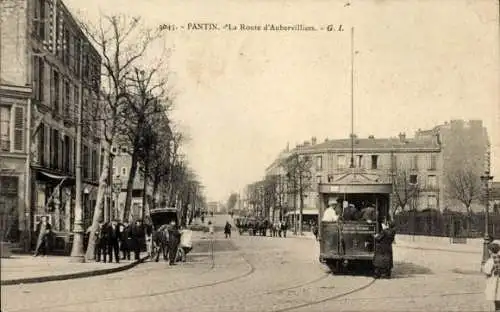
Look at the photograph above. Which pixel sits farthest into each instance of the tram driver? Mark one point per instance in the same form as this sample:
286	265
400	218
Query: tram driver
330	214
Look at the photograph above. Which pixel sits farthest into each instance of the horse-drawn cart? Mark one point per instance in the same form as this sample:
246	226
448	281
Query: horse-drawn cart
166	225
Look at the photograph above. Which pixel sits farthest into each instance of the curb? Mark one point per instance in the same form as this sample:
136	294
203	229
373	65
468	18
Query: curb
439	249
62	277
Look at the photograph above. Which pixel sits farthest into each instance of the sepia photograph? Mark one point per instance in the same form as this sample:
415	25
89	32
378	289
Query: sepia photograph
259	156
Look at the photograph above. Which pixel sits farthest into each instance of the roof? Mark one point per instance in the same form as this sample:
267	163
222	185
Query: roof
389	144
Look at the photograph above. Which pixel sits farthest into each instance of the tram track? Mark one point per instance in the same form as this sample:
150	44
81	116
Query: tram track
250	270
329	298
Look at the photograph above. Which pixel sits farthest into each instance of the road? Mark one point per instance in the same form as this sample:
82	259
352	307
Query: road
262	274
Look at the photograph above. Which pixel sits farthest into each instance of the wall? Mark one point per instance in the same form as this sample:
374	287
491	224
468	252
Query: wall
14	62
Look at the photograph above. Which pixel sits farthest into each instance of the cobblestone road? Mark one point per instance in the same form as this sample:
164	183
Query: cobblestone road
263	274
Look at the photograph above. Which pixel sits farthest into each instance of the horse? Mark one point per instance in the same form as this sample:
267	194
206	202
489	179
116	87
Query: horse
160	243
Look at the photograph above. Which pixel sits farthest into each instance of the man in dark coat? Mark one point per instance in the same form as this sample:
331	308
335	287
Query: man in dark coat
113	241
138	238
383	260
227	230
174	239
125	240
101	242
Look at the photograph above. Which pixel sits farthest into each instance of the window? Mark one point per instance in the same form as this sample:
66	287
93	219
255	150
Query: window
76	94
124	149
38	72
85	162
77	55
66	47
124	171
4	128
67	99
414	162
318	179
359	161
319	163
433	162
41	145
94	165
66	154
431	201
39	19
330	178
55	149
413	179
114	171
374	162
55	96
18	129
341	161
432	181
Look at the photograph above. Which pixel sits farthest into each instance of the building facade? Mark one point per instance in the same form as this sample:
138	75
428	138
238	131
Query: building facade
421	164
121	166
48	53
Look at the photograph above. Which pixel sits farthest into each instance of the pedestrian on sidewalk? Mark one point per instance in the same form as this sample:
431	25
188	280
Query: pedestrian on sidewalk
101	242
43	231
492	271
148	231
174	239
125	240
210	228
227	230
113	241
138	238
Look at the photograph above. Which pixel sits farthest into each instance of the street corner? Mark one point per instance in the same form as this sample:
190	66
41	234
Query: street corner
28	269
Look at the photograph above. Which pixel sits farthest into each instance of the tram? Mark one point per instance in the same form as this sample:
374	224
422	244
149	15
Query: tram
349	242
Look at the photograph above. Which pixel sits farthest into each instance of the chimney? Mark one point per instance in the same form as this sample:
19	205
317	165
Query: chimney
402	136
371	136
313	140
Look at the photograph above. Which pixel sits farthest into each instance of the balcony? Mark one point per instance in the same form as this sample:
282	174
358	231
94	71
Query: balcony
4	145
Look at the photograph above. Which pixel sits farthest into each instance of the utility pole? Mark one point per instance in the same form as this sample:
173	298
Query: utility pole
77	253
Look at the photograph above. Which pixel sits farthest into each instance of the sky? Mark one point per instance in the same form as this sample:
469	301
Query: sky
243	95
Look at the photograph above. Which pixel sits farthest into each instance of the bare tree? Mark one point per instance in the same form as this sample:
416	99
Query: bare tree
298	172
231	201
122	44
406	190
146	103
464	185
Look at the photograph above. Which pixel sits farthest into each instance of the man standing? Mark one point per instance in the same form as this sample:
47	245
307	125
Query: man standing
126	240
43	229
113	241
138	238
174	238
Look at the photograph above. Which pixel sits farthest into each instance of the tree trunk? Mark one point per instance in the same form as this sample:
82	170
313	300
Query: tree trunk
98	205
130	186
145	188
155	189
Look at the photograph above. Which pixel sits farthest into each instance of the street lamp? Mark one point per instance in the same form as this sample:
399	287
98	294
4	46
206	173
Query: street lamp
117	188
487	238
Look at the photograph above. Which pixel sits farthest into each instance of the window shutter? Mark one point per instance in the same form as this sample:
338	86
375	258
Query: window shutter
18	129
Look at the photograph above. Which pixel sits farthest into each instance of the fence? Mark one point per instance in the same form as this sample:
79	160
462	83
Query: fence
450	224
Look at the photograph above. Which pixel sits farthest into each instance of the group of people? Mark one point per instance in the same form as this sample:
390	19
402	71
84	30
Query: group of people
113	237
279	229
349	212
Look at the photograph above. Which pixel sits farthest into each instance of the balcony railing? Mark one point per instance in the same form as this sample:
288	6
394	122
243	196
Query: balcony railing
4	145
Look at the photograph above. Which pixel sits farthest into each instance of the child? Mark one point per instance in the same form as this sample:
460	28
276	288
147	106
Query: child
492	270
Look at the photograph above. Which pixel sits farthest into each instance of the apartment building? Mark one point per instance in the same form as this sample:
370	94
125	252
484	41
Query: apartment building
45	54
424	161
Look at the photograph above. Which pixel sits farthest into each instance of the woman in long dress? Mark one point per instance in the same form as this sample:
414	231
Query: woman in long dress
491	269
382	260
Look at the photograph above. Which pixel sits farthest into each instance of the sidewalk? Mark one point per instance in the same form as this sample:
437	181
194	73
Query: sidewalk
407	242
24	269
